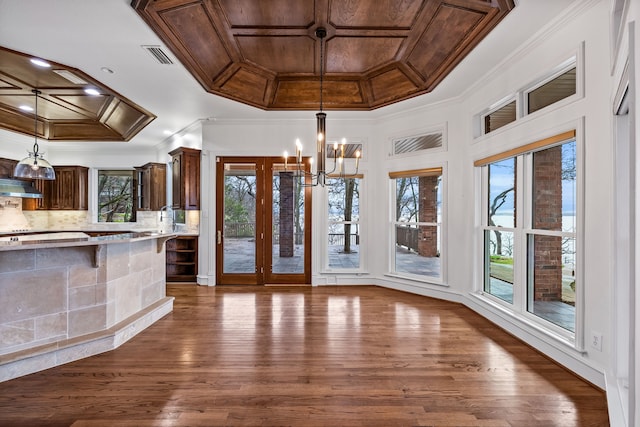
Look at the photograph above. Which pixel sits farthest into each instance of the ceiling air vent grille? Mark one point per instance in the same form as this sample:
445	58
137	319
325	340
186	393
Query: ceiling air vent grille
158	54
417	143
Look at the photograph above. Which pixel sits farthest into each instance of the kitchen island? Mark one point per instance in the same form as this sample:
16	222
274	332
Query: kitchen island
68	296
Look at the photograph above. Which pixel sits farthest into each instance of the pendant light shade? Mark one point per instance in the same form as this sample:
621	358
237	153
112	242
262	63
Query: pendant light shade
35	166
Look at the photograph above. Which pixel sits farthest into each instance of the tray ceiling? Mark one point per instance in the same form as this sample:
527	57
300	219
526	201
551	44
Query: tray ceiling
65	111
266	54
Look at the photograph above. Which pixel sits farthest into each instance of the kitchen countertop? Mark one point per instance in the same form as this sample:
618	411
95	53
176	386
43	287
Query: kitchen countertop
49	240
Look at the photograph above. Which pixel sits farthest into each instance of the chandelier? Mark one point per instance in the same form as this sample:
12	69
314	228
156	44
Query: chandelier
319	178
34	166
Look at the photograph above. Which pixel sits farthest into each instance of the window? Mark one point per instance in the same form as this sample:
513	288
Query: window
417	143
500	227
417	223
551	239
116	196
559	88
530	227
500	117
561	83
343	245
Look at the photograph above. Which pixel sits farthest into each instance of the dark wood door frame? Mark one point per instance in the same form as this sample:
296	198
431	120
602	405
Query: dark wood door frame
264	225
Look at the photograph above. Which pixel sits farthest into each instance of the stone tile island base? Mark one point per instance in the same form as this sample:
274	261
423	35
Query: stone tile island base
66	299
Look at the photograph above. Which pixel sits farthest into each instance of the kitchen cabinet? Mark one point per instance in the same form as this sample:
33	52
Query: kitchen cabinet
182	259
69	191
152	186
6	167
185	178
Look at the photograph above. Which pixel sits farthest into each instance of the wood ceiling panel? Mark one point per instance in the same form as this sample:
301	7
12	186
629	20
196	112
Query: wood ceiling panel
374	13
376	51
359	54
391	86
304	94
87	105
201	43
80	131
436	46
122	118
61	101
271	13
247	85
271	53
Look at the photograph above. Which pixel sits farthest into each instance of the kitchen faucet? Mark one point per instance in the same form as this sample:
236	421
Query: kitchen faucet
164	209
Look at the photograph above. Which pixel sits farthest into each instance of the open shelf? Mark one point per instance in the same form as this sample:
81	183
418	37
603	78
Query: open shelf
182	259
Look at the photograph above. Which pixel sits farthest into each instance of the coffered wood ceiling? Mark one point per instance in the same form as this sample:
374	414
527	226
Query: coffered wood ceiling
65	111
265	53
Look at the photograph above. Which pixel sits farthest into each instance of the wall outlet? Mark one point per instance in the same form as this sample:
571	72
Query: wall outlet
596	340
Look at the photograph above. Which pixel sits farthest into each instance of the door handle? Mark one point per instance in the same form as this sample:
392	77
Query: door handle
219	237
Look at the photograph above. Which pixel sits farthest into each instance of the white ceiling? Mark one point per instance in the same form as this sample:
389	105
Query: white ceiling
91	34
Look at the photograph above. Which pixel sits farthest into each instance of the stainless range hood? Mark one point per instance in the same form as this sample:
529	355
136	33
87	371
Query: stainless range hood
18	188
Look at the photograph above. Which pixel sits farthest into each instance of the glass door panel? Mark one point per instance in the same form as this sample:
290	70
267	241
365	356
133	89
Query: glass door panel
239	247
238	242
287	218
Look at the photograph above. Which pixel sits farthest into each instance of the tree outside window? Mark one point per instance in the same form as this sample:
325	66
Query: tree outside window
116	196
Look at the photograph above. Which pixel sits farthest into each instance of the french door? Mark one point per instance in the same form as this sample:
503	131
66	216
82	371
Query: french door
263	222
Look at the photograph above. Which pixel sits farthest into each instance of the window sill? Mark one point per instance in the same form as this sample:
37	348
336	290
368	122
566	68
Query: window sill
425	280
524	322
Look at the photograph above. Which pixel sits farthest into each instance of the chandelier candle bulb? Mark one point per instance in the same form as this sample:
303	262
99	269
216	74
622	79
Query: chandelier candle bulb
298	151
286	157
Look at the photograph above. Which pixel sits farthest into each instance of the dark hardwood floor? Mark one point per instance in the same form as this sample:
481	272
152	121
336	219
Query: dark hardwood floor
302	356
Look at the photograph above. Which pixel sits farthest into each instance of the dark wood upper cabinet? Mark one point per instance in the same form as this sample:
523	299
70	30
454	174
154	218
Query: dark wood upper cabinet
69	191
152	186
185	178
6	167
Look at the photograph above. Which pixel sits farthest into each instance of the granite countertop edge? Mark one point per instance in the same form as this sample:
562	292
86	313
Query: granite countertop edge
84	241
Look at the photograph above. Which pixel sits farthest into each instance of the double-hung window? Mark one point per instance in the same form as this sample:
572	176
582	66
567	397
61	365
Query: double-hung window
344	231
417	223
529	230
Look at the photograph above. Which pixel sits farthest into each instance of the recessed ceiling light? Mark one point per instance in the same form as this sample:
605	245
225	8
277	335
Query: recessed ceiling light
91	91
40	62
107	70
167	132
25	108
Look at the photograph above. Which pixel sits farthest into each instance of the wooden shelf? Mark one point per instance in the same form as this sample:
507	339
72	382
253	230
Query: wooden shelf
182	259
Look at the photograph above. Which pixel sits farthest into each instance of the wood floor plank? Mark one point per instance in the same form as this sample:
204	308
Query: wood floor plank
303	356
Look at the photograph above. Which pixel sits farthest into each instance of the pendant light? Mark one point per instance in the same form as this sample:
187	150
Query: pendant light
35	166
320	178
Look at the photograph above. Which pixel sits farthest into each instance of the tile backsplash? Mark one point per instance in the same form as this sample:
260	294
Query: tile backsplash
13	218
